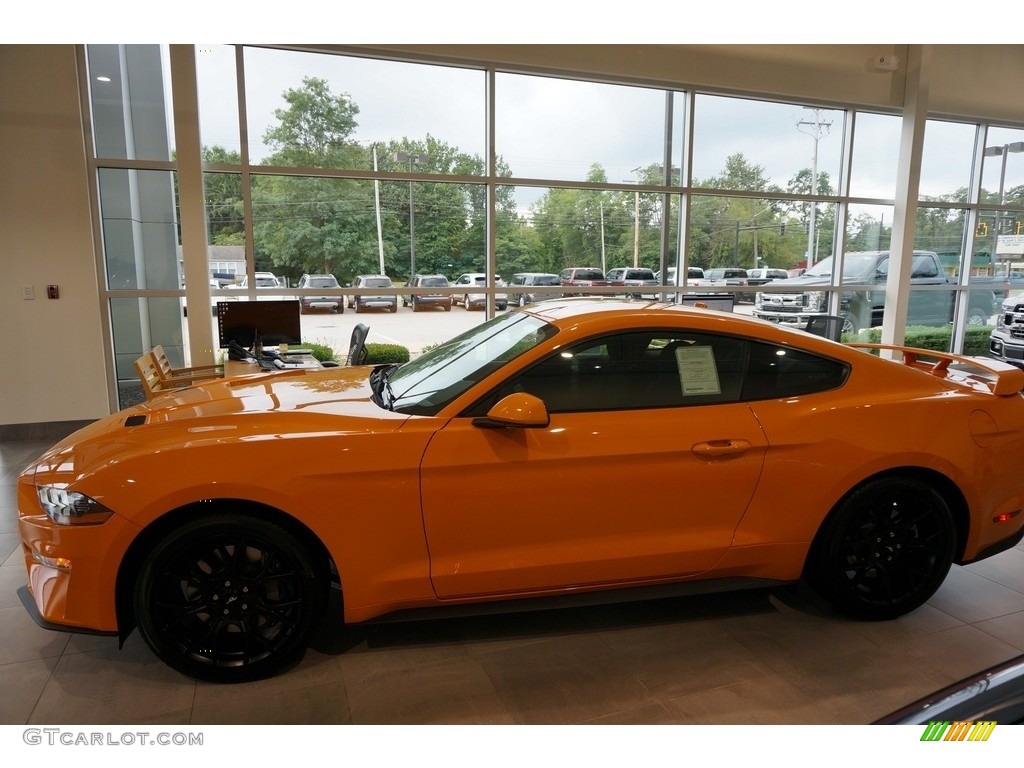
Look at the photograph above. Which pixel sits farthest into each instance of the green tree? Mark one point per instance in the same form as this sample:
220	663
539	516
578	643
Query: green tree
315	223
224	209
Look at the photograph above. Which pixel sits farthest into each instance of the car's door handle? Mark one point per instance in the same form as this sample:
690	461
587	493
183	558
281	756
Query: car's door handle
713	449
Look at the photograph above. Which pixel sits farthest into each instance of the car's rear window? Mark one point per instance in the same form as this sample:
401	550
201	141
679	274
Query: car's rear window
639	274
548	280
322	282
378	282
434	281
589	274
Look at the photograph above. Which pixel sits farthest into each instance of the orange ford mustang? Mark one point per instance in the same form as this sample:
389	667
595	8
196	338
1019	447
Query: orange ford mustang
216	518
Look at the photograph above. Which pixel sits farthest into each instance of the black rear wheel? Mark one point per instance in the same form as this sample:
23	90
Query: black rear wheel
885	549
228	598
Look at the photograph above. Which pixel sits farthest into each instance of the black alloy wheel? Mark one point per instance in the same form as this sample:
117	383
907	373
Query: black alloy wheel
885	549
229	598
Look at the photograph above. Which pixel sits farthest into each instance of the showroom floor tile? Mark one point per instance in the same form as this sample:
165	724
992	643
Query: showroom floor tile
755	657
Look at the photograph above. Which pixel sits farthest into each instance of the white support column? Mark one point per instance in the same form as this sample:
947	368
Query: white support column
191	196
908	178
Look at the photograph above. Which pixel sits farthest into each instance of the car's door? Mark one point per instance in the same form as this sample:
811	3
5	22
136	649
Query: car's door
644	471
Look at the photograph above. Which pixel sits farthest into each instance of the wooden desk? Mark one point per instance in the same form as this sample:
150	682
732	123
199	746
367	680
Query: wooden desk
244	367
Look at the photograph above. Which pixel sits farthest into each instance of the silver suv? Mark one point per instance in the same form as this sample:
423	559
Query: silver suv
332	303
372	293
435	295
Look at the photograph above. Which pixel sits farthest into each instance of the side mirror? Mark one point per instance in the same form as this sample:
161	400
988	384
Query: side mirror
519	409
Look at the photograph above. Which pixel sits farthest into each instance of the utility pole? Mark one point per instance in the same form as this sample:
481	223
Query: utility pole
818	129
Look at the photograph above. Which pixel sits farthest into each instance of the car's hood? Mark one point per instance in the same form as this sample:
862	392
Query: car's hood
259	406
802	282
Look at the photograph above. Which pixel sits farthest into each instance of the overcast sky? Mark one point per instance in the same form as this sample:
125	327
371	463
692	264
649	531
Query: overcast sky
550	128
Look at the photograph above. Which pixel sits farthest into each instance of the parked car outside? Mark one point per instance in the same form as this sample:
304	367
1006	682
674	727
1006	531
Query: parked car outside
583	277
519	292
693	276
431	298
762	276
373	293
733	277
474	299
330	303
264	281
225	566
641	279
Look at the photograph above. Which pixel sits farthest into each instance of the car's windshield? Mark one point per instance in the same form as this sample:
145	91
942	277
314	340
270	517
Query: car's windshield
428	383
266	282
322	282
855	266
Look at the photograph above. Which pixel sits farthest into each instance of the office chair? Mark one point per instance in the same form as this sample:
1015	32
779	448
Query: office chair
357	346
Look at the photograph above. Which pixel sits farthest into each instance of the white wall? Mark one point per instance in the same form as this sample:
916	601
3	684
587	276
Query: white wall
46	238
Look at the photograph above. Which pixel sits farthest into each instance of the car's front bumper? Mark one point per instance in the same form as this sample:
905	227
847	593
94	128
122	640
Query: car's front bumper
321	303
798	319
1003	348
72	569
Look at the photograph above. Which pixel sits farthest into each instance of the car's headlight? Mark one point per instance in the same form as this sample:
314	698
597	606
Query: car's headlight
816	301
66	507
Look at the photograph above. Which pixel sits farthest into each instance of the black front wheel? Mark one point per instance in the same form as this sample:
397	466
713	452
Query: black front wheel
228	598
884	550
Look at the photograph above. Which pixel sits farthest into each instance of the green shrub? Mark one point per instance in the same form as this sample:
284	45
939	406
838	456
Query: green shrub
376	354
321	352
938	339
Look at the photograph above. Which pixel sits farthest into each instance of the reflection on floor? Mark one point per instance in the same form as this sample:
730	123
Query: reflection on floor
775	656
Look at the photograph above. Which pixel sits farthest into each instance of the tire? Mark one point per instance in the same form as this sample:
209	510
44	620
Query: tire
976	316
393	307
359	307
465	303
850	324
522	300
447	307
884	550
267	594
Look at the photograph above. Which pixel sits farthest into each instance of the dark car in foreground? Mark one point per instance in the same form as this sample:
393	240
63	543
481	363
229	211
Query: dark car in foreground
219	518
992	696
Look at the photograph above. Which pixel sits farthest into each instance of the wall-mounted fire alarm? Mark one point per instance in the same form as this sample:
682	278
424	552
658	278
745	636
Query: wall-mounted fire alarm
52	292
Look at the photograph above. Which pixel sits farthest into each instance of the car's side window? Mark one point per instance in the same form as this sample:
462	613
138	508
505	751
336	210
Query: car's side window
669	369
774	372
643	369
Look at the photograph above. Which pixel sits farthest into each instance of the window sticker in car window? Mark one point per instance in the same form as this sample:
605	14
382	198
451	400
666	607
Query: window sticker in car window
697	371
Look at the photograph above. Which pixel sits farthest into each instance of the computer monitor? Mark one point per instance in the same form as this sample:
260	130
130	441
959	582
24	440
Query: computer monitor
275	322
